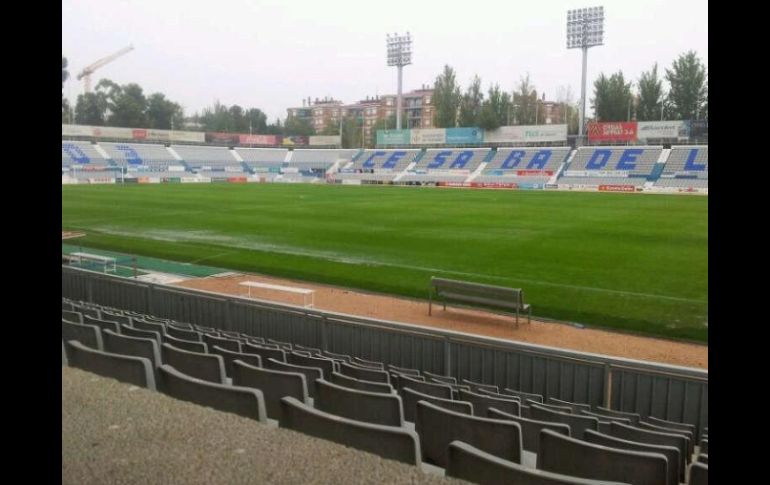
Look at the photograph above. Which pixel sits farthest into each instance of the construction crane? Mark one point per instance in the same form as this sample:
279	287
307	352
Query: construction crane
87	71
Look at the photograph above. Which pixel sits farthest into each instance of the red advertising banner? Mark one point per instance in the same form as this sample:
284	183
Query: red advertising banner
259	139
236	180
139	134
541	173
222	138
614	131
494	185
617	188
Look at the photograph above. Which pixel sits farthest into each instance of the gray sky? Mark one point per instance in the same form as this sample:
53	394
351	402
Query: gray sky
271	54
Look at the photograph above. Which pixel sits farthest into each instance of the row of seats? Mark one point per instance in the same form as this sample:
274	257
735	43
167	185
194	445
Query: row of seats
685	166
466	427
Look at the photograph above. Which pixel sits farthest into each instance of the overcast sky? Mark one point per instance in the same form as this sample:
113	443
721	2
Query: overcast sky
271	54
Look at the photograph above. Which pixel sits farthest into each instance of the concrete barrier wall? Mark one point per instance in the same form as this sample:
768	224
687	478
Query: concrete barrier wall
242	401
88	335
530	428
353	383
364	374
438	427
438	390
229	357
207	367
577	424
410	399
570	456
631	433
673	393
369	407
388	442
482	403
273	384
675	474
133	370
135	346
311	374
474	465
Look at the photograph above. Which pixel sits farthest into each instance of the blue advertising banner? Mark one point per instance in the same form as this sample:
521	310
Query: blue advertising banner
462	136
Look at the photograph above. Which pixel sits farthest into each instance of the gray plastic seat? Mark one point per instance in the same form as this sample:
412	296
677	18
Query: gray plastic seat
530	428
369	407
274	385
88	335
675	474
474	465
208	367
133	370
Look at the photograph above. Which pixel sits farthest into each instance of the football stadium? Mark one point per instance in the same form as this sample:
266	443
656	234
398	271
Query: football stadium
524	303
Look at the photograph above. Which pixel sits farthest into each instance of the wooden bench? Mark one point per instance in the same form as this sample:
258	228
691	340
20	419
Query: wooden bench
497	297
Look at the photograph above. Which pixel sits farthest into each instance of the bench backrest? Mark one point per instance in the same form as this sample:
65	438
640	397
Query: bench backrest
478	293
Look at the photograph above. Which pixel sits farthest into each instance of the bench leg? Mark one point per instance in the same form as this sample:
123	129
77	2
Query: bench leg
430	303
529	316
517	318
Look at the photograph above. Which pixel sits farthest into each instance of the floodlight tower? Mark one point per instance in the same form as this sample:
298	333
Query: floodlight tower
585	28
400	55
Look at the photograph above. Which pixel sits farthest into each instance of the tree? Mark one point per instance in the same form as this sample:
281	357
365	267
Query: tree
495	109
163	114
91	109
275	128
612	97
295	126
216	118
525	103
330	128
66	115
238	121
470	104
569	109
689	90
388	123
650	96
351	132
446	99
257	120
64	73
127	105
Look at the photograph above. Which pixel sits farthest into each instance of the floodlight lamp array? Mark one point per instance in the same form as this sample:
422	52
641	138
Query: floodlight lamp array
585	27
399	49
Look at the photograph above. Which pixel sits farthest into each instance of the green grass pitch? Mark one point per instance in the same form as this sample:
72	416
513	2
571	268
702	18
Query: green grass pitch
633	262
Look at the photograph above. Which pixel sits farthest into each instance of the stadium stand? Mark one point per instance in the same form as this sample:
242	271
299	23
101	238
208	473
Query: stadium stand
531	167
80	153
594	166
492	446
155	157
446	165
686	167
200	156
377	165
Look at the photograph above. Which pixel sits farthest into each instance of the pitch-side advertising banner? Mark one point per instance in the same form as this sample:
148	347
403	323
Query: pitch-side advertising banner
662	129
612	131
259	140
461	136
527	134
432	136
325	140
299	140
394	137
131	133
